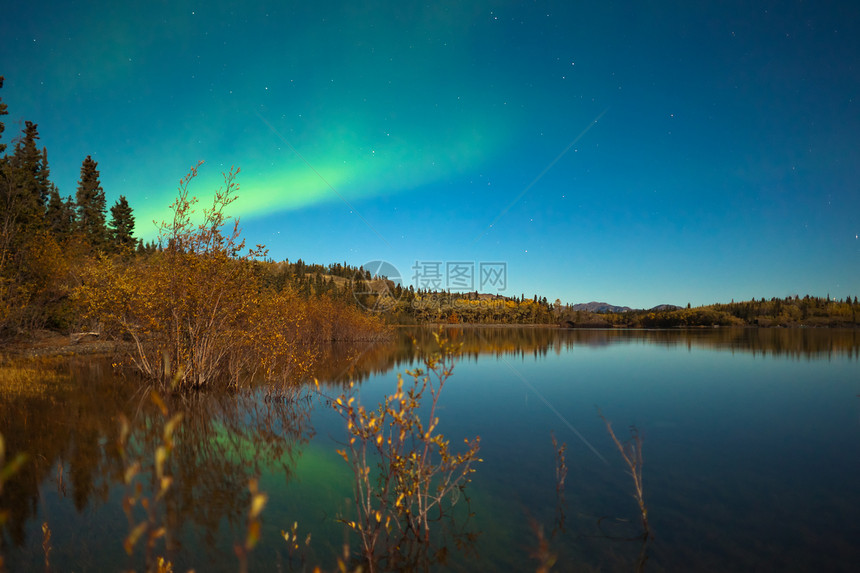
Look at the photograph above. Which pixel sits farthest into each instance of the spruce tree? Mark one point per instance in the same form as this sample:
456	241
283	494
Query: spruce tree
3	111
7	218
60	214
43	182
29	185
70	209
91	204
122	225
54	211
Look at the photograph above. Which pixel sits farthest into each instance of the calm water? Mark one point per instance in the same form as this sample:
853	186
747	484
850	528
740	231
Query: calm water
751	447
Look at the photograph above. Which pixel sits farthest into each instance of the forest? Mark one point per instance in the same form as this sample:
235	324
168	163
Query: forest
419	307
793	311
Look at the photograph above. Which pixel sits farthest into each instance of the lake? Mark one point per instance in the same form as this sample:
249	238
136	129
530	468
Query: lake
750	442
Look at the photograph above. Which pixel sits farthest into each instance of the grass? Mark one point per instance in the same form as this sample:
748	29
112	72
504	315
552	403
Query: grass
29	378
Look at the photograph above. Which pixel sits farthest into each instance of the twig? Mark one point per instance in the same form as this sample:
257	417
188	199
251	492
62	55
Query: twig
631	451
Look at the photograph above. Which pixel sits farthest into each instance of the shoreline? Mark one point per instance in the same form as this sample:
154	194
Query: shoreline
586	326
46	343
475	325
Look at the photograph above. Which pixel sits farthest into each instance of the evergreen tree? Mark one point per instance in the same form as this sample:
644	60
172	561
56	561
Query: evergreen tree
43	182
54	211
60	214
29	185
22	188
70	209
146	248
7	218
122	225
91	204
3	111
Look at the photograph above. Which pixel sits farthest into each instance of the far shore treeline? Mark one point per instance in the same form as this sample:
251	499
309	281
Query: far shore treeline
195	301
422	307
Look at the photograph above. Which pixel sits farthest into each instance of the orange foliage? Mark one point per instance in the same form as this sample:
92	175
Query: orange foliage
420	477
197	313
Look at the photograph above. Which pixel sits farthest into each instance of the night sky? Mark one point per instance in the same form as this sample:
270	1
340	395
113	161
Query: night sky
632	152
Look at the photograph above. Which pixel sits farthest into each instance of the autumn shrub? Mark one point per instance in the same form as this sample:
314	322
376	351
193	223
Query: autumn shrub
196	312
36	285
279	338
407	477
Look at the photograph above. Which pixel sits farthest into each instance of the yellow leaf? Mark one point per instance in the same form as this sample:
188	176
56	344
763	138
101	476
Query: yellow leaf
156	399
257	504
131	471
132	538
253	534
166	482
160	457
170	426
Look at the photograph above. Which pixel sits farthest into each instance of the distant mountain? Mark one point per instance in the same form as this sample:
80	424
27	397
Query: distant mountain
600	307
605	307
664	308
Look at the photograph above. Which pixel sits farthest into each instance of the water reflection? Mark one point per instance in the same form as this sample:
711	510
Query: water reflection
71	433
67	435
359	361
223	441
68	421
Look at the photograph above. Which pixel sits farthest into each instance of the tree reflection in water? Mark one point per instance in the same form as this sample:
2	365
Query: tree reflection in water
72	432
66	413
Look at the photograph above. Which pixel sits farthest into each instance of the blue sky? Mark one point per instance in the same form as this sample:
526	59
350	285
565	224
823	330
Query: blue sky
630	152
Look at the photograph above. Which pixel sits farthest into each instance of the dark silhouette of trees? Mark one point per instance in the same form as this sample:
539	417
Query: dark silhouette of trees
121	226
91	204
4	110
60	214
45	239
27	184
